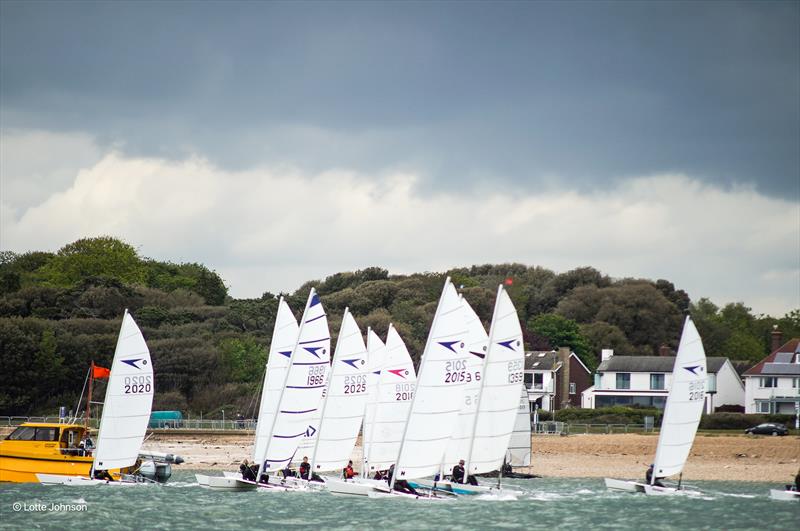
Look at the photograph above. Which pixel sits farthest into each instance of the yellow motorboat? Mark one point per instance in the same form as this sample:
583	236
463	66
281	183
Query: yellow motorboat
44	447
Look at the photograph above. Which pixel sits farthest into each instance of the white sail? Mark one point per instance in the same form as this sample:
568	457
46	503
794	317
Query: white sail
284	338
346	398
304	383
396	385
309	440
438	397
499	397
128	401
477	343
684	404
376	350
519	447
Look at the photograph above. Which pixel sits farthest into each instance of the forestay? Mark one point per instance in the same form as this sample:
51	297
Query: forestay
438	397
519	447
684	404
304	383
284	338
477	342
128	401
345	399
498	401
396	386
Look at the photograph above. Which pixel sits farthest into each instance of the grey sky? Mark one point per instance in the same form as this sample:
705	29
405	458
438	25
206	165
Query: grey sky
548	101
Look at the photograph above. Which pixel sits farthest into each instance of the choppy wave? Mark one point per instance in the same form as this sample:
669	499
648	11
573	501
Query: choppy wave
540	504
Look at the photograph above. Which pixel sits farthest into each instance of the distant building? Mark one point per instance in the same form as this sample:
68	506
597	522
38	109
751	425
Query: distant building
646	380
555	379
773	384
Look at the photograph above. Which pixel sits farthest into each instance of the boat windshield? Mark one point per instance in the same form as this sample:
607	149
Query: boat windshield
30	433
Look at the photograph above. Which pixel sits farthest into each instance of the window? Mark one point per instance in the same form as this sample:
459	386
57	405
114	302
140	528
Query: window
769	381
29	433
538	380
572	388
23	433
657	381
46	434
623	380
762	407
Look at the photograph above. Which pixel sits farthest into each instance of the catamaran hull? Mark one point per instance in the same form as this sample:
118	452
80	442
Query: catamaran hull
358	487
624	485
784	495
77	481
224	483
458	488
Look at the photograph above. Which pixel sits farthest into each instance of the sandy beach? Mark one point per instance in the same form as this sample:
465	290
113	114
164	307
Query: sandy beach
713	457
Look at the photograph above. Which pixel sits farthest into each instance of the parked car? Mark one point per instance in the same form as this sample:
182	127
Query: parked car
769	428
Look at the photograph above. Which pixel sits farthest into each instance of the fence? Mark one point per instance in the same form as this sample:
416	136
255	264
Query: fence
542	428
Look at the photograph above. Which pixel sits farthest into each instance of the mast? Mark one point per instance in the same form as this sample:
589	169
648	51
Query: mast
89	399
416	393
374	396
480	392
325	395
283	389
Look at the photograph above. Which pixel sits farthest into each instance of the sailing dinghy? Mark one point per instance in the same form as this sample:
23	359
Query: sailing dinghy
126	411
385	417
438	398
496	402
682	413
343	403
284	337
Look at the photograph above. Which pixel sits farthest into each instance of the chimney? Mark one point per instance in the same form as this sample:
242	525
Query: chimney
606	354
664	350
777	338
563	381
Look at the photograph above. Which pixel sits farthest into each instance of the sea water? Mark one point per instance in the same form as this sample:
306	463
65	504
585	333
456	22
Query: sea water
541	504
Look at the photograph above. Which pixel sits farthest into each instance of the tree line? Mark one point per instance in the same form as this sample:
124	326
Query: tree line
60	311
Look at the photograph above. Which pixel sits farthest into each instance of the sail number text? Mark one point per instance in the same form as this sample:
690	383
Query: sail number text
456	372
403	392
355	384
316	375
697	390
515	371
137	384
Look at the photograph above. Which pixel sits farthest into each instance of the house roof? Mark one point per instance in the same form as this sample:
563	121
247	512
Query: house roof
652	364
779	362
545	360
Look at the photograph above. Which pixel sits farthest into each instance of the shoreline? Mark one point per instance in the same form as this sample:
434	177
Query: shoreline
624	456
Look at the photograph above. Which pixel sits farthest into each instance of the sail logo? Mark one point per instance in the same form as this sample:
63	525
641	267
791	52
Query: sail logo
508	344
353	362
287	353
313	351
133	363
402	373
693	369
449	345
311	431
479	354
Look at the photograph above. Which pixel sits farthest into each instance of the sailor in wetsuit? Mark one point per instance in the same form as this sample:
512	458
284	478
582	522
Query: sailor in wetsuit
458	474
247	471
305	471
400	485
649	476
348	472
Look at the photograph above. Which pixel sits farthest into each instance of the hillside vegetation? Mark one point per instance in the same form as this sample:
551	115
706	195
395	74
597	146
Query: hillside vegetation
59	311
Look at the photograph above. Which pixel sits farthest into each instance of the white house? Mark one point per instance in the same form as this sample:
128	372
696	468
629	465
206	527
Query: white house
646	380
773	384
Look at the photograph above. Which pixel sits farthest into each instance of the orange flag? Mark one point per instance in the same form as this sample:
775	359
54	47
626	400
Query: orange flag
100	372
